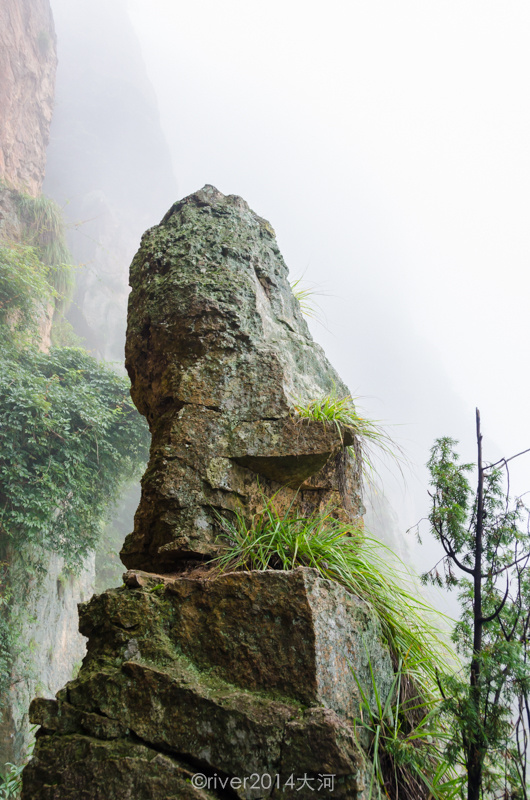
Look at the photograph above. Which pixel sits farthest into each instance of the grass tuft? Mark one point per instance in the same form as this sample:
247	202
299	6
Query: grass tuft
406	728
408	740
342	412
304	295
343	553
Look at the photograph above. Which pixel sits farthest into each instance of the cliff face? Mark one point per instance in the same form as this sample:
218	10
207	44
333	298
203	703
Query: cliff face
43	613
27	66
108	162
46	621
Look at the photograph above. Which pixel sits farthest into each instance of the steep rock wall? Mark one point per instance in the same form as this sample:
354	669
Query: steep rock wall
43	612
46	621
27	65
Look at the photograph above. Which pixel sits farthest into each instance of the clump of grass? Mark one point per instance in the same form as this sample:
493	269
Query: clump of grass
342	412
408	739
344	553
10	781
304	294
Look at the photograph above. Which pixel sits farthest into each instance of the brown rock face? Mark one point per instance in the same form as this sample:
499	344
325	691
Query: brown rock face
27	69
218	353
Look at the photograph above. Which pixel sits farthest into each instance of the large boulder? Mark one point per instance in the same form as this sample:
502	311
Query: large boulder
245	674
219	353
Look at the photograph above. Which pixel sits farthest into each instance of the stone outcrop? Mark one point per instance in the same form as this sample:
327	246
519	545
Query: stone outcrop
218	353
251	681
27	65
249	673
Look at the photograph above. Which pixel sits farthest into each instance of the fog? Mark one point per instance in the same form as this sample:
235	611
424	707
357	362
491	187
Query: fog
387	143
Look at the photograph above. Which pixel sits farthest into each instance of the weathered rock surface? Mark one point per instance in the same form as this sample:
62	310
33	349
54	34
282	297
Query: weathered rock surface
27	65
45	617
245	673
218	352
250	678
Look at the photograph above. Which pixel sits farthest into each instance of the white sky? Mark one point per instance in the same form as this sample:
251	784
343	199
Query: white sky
388	144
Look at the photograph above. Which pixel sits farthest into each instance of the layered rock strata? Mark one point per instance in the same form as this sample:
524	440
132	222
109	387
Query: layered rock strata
219	353
250	680
248	674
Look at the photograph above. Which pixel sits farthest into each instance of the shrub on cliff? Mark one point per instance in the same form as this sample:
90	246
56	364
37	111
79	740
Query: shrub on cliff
25	290
69	435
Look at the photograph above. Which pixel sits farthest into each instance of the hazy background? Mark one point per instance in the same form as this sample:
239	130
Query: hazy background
388	144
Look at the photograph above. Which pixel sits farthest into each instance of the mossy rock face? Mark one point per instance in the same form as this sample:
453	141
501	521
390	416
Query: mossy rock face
121	769
218	352
247	673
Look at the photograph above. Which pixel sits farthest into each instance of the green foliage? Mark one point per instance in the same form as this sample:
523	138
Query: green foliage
63	334
25	290
11	775
304	295
347	555
451	497
69	435
45	232
342	412
407	741
485	539
36	272
10	781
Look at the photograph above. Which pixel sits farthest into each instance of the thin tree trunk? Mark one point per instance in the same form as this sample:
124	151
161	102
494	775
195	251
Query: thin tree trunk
475	750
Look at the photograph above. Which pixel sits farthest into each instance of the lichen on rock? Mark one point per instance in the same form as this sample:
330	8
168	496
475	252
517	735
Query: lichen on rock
249	673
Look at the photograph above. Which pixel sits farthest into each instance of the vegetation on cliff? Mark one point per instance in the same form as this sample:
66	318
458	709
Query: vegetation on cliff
44	232
69	433
369	435
407	729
